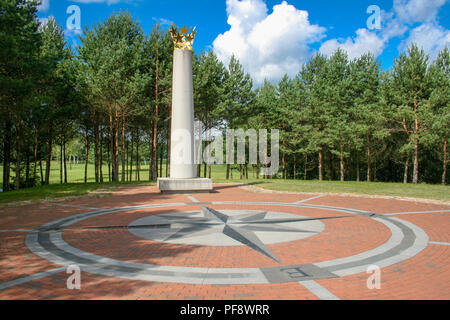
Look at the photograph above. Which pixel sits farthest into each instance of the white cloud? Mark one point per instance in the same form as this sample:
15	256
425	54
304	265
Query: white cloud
396	23
410	11
44	6
365	41
43	21
70	33
428	34
267	45
270	45
391	27
162	21
431	37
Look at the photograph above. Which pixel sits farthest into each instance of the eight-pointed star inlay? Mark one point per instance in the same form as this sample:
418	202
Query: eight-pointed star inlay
239	228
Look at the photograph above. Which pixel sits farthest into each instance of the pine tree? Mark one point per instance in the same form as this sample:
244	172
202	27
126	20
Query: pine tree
114	55
315	114
19	76
439	120
411	87
209	77
367	121
238	96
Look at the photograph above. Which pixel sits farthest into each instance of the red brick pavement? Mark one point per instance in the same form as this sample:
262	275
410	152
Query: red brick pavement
425	276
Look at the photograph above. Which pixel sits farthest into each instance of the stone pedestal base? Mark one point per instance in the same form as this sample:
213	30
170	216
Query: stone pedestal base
166	185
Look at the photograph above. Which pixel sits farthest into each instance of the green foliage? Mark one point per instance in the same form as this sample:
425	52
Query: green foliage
209	91
238	95
108	103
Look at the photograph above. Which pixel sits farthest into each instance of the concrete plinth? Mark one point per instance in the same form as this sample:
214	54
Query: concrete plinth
185	185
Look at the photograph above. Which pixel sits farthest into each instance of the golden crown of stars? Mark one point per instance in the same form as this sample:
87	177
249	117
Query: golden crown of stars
181	38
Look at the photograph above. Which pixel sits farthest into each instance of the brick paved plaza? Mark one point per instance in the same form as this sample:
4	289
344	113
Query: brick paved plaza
233	243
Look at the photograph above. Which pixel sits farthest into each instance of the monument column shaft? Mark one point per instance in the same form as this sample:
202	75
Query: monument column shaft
183	173
182	164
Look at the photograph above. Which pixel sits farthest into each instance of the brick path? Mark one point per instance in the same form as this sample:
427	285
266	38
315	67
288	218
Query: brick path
425	275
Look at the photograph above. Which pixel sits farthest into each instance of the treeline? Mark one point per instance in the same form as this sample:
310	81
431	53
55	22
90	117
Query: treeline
339	118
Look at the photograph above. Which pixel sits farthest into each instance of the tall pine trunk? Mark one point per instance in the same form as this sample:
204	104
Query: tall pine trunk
97	156
295	166
27	170
131	156
160	164
127	165
306	167
61	166
18	152
320	165
405	174
109	161
416	161
123	147
7	156
138	165
416	145
342	164
111	146
357	166
49	155
35	158
444	171
369	155
150	163
64	162
101	156
42	173
116	146
86	156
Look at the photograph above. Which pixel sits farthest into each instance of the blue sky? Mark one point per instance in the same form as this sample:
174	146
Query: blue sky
274	37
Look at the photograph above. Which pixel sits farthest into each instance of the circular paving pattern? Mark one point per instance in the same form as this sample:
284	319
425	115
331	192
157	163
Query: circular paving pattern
194	229
252	226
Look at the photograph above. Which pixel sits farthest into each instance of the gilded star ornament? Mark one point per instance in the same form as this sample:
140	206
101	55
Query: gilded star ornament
181	38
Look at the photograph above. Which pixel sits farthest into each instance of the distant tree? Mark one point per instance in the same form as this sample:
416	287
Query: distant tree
209	77
315	115
19	74
439	120
238	96
367	120
337	97
159	53
287	116
114	55
57	85
411	89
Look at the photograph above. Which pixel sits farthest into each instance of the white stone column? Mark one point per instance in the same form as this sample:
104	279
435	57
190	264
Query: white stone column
182	161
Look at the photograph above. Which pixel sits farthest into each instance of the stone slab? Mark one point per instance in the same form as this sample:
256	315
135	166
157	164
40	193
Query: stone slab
170	185
296	273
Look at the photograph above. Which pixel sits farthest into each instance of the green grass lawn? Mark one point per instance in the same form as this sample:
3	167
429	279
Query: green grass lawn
75	173
424	191
76	187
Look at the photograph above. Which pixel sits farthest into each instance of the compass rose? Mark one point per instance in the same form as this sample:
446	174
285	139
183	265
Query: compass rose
241	228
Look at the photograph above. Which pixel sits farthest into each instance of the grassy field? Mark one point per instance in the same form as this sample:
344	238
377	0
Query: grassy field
76	187
424	191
